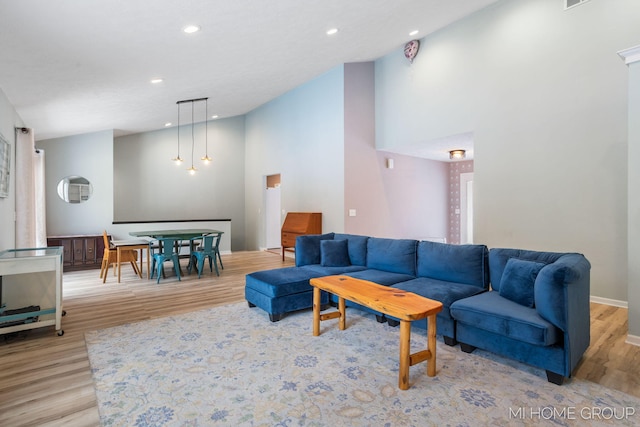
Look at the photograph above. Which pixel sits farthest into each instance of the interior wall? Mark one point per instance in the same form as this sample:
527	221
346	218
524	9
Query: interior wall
299	135
89	156
408	201
362	180
148	186
547	108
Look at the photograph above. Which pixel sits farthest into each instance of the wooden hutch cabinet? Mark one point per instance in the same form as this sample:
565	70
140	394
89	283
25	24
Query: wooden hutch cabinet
81	252
299	223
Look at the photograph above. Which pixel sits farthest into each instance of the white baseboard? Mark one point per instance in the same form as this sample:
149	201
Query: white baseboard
633	340
607	301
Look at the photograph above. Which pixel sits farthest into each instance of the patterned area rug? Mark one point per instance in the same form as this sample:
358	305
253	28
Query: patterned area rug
231	366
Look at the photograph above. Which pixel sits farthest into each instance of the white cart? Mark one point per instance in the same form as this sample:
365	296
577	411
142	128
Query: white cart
31	278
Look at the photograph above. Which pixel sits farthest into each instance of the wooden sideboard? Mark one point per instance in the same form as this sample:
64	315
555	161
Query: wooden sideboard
81	252
296	224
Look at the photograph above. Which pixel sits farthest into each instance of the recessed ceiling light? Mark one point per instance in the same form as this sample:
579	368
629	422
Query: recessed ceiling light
189	29
156	81
414	32
332	31
215	116
167	124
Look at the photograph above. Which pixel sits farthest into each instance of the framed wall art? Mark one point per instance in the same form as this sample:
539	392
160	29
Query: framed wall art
5	165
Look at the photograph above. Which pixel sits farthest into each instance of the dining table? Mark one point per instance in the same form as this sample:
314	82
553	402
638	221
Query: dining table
131	244
178	234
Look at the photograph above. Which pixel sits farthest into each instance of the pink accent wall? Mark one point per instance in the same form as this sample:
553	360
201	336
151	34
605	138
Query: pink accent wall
455	169
408	201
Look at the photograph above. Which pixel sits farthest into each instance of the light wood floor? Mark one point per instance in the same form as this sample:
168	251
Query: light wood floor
45	380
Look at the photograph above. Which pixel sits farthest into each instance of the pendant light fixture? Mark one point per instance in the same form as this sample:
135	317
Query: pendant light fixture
192	170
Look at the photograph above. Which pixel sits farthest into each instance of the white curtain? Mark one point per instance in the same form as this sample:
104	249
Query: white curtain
30	192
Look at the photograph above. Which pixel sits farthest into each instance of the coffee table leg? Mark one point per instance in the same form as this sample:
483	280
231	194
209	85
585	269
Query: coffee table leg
405	341
343	313
431	345
316	311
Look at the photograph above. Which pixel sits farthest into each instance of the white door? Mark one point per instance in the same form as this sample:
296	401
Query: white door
272	212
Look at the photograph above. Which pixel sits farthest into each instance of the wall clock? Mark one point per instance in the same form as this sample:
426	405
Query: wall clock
411	50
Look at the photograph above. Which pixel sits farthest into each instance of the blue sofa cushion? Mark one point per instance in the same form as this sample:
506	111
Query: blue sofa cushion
334	253
308	248
445	292
281	281
357	247
518	279
498	258
392	255
491	312
380	277
466	264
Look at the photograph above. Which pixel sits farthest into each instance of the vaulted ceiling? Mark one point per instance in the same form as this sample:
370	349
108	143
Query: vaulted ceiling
72	66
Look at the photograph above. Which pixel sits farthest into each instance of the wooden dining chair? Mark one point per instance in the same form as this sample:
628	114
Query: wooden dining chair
111	257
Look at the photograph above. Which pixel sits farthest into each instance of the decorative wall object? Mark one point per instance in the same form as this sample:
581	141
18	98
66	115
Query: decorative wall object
5	165
74	189
411	50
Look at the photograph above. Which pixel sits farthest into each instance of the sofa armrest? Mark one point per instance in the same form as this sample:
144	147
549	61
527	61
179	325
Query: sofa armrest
561	288
562	291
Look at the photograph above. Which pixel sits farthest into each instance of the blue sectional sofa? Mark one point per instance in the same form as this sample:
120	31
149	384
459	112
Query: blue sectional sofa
537	310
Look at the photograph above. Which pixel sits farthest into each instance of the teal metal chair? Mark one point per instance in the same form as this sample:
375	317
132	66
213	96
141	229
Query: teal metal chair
209	248
166	252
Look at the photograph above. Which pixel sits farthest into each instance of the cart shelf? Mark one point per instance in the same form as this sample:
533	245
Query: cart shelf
33	278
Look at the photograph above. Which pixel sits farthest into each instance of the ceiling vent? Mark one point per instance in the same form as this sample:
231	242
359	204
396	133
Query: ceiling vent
568	4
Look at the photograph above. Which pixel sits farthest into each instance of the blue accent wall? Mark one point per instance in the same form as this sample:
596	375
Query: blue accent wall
299	135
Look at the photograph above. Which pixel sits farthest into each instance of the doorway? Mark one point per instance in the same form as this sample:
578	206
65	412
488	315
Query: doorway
272	211
466	208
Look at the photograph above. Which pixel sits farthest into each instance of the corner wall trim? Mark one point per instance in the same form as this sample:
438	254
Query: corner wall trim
607	301
630	55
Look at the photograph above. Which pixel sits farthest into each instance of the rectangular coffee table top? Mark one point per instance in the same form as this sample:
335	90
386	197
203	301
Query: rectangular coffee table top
394	302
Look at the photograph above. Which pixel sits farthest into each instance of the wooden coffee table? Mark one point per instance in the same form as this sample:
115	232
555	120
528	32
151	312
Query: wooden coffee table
403	305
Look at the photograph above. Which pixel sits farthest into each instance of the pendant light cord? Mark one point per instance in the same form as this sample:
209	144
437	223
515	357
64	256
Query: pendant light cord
192	138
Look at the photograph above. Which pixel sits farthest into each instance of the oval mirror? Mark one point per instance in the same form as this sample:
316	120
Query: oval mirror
74	189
